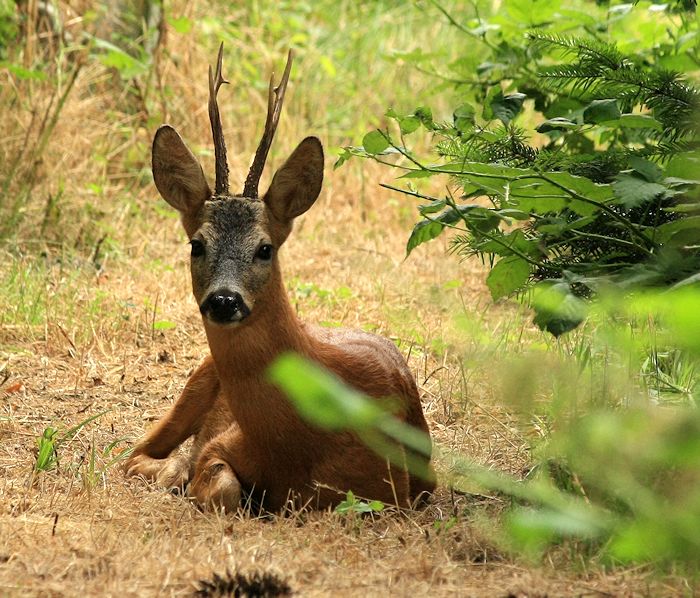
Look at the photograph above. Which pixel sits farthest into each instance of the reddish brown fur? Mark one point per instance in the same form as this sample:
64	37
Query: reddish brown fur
248	437
269	447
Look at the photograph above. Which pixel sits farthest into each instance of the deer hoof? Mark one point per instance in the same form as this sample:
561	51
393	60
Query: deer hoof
171	473
215	486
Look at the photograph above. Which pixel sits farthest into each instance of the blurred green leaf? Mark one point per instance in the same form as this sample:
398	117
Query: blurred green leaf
640	121
181	25
557	124
164	325
506	107
557	309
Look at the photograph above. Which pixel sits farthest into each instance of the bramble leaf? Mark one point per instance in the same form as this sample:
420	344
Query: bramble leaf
599	111
507	276
375	142
632	191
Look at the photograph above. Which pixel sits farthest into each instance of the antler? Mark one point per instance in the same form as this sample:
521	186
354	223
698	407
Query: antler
274	108
217	132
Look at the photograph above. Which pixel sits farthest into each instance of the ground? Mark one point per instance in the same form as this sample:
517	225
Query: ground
83	528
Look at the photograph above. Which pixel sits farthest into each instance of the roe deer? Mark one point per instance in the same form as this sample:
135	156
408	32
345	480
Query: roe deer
248	437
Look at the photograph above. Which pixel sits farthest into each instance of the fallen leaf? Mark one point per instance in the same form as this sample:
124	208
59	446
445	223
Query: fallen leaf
16	387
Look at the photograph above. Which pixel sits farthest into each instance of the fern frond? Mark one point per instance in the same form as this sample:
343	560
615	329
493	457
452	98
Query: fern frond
590	50
601	71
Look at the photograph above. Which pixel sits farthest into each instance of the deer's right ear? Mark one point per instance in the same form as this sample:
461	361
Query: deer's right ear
177	173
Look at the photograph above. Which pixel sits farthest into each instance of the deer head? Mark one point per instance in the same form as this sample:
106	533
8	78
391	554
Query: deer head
235	238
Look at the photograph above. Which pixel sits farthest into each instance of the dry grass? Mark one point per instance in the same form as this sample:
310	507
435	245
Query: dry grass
76	340
72	531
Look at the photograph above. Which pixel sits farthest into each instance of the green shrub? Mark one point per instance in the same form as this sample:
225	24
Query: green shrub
599	184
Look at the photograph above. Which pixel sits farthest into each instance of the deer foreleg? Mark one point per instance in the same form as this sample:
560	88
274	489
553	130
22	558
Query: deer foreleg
183	420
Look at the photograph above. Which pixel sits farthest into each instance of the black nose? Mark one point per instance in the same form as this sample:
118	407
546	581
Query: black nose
225	306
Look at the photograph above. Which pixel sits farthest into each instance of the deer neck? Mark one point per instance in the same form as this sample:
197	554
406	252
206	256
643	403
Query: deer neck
243	353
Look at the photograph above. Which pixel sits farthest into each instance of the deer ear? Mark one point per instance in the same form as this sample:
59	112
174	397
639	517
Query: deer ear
177	173
296	185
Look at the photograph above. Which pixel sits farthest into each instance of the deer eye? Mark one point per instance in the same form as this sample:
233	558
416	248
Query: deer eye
197	248
264	252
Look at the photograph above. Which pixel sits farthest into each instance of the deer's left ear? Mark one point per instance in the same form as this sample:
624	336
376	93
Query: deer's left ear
296	185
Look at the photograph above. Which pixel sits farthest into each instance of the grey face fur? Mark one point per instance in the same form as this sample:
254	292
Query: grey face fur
234	239
232	256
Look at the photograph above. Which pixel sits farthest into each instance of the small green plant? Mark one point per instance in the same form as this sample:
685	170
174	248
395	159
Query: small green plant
47	455
352	504
93	469
51	440
444	525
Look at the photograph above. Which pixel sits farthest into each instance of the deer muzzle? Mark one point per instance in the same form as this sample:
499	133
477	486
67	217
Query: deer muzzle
224	307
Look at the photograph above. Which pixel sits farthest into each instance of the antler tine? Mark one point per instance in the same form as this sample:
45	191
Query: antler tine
215	81
275	99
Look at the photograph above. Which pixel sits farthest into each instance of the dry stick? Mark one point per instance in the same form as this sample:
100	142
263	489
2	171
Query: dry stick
153	318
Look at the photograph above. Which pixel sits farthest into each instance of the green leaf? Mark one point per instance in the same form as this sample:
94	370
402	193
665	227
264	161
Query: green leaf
22	73
432	207
557	309
532	191
650	171
310	387
46	455
343	157
164	325
375	142
632	191
181	24
477	218
642	539
507	244
425	115
423	231
464	117
507	276
599	111
685	165
506	108
534	528
408	124
417	174
640	121
557	124
127	66
666	232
